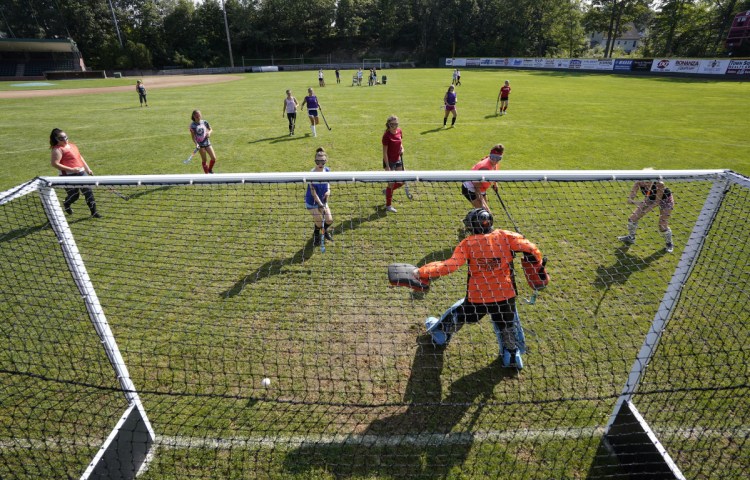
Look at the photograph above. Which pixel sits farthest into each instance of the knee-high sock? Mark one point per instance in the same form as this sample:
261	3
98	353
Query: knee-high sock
667	235
632	227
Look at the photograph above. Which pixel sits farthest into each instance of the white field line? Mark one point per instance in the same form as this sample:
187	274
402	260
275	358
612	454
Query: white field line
417	440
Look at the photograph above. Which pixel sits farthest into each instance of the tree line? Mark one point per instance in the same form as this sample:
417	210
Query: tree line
181	33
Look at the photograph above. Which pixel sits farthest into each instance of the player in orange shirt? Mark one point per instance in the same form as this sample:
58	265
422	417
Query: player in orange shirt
66	158
491	288
476	192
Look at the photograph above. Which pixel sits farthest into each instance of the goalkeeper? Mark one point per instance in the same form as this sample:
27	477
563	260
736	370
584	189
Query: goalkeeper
491	288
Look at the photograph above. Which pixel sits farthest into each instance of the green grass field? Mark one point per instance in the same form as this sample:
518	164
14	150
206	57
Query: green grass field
210	289
555	121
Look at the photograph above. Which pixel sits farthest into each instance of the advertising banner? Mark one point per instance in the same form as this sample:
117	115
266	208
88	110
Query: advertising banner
516	62
589	64
686	66
455	62
738	67
575	64
549	63
676	65
662	65
472	62
642	65
622	65
562	63
605	64
713	67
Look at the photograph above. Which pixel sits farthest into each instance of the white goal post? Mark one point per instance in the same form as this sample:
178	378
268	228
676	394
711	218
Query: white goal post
198	329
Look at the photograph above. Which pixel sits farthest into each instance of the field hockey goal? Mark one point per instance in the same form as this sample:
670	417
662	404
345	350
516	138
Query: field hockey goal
197	330
368	63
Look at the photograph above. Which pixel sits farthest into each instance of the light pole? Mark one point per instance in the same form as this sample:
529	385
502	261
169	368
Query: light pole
226	27
117	27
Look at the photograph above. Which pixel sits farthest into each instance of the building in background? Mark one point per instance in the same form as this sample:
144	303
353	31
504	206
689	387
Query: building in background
31	58
628	42
738	39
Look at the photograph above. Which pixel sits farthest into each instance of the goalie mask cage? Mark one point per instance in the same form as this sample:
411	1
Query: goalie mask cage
136	344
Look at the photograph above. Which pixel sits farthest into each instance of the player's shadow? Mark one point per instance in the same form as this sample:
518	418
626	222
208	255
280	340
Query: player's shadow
624	266
19	233
420	442
274	267
434	130
280	138
270	268
146	192
494	115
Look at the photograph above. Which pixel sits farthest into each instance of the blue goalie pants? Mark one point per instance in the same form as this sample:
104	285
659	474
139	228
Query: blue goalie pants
505	322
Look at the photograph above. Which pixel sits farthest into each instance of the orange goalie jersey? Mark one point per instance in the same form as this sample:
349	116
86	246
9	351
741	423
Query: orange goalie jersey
490	259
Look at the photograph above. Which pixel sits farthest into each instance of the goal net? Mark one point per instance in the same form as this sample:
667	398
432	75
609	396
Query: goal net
139	343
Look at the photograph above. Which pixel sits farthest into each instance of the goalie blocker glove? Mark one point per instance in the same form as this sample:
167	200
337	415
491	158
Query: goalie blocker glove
536	274
402	275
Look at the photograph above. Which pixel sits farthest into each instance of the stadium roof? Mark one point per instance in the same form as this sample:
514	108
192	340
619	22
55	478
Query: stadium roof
37	45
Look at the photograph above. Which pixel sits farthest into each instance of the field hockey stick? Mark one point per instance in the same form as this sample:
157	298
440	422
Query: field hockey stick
507	212
113	190
324	118
406	185
322	228
497	104
190	158
531	300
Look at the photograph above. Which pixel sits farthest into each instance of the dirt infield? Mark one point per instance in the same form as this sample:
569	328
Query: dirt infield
149	82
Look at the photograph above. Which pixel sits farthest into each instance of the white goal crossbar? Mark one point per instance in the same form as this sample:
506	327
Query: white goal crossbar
408	176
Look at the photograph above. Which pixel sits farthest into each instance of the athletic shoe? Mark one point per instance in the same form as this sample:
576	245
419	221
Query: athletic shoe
316	241
438	337
389	208
68	210
512	359
670	247
96	215
627	239
328	236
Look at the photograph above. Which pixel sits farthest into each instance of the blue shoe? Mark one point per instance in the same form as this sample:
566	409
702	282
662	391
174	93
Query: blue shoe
512	359
438	337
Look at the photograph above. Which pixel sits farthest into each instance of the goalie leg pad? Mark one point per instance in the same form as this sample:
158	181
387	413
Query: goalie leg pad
510	337
443	328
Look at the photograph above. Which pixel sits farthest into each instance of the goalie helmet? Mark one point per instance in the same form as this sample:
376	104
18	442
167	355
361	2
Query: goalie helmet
478	221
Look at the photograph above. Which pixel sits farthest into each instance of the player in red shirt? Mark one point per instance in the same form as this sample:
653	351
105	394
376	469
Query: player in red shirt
66	158
503	97
476	192
392	151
